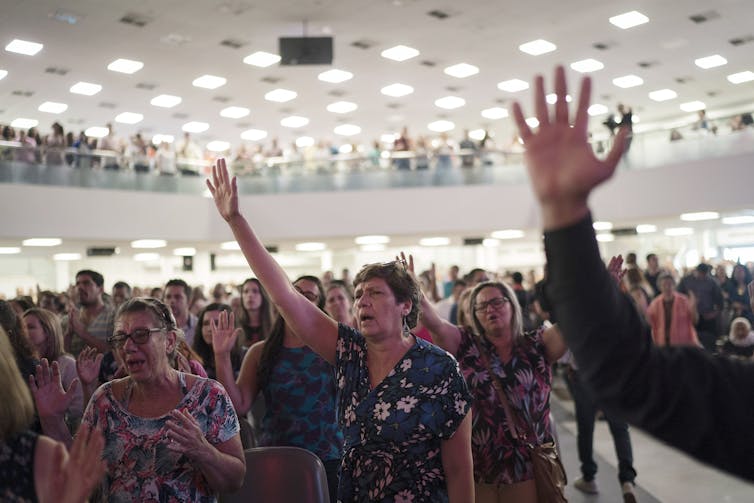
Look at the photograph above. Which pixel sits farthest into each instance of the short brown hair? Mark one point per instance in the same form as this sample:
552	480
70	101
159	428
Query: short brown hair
401	283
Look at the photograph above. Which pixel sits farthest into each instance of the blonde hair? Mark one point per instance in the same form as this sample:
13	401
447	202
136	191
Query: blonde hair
16	405
50	323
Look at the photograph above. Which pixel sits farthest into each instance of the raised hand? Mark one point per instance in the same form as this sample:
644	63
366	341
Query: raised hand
561	163
47	388
615	268
88	364
224	190
223	333
82	469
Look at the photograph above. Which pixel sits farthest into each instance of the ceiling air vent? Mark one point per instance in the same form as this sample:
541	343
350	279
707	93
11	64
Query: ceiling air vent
101	251
438	14
453	89
741	40
472	241
147	86
428	63
175	39
337	93
180	115
394	106
107	104
703	17
363	44
233	43
221	99
56	71
76	121
19	92
601	46
134	19
272	248
628	231
683	80
271	80
647	64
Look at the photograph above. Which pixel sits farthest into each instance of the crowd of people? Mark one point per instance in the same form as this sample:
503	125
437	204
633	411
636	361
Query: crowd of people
409	387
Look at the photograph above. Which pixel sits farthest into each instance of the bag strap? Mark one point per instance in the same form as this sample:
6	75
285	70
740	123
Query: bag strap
498	385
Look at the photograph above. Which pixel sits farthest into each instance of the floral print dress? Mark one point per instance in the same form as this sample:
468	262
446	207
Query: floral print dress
140	467
393	432
526	379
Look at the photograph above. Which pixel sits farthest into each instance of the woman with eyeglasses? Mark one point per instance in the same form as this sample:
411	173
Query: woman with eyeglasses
402	403
169	436
297	385
521	364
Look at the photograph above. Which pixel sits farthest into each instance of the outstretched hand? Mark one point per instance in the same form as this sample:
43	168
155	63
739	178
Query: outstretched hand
616	270
562	165
88	364
224	334
46	386
82	469
224	190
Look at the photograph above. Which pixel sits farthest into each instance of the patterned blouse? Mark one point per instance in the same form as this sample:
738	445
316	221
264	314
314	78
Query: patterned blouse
140	467
17	468
527	379
393	432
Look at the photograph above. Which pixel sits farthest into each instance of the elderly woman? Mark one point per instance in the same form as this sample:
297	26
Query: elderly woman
46	335
521	366
169	436
402	402
672	315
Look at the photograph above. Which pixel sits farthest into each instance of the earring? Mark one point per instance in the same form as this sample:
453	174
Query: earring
406	330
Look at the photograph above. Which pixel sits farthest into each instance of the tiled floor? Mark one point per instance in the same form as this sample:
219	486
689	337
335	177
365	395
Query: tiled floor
664	474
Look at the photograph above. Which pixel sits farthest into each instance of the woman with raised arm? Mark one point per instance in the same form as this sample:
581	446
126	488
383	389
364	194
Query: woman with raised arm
297	384
521	364
687	398
402	402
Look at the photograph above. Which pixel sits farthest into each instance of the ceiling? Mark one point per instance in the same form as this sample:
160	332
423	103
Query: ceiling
182	40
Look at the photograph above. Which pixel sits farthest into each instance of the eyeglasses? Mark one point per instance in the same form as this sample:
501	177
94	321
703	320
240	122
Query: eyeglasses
139	336
496	302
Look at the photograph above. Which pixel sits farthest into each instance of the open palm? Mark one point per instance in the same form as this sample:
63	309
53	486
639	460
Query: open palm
224	190
46	386
223	333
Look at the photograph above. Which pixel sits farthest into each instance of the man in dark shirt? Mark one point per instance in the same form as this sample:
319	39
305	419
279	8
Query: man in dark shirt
709	303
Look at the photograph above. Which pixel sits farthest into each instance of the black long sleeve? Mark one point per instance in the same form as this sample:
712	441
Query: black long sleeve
696	402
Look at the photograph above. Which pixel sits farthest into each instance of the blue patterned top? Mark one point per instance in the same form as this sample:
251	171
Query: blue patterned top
393	432
300	401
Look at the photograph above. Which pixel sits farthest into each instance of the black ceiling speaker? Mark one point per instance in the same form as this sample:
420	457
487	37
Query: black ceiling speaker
305	50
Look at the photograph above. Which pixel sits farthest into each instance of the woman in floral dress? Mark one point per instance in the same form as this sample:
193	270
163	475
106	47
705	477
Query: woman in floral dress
403	404
522	363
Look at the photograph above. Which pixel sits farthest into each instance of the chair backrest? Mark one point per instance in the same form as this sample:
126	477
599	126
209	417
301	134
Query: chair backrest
281	475
247	433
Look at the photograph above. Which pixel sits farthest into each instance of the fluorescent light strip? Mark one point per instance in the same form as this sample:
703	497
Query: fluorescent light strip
700	216
24	47
42	242
400	53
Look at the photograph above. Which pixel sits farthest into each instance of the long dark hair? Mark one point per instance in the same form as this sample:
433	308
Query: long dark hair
265	315
274	342
205	350
16	330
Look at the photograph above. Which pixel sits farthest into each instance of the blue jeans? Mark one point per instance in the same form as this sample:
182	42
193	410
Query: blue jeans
585	412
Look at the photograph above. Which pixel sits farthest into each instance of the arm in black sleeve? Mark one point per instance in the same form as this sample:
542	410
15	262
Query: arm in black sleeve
684	396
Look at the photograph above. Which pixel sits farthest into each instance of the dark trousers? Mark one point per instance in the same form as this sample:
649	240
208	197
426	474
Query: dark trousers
585	417
331	469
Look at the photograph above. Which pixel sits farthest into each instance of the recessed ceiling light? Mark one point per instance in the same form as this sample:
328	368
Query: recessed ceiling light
162	138
149	243
342	107
184	252
513	85
125	66
335	76
587	65
235	112
42	242
739	220
628	81
605	237
195	127
52	107
537	47
310	246
710	61
97	132
294	121
552	98
434	241
679	231
399	53
3	74
700	216
24	47
372	240
494	113
10	250
254	134
450	102
397	90
441	126
373	248
490	242
209	81
693	106
62	257
230	245
85	88
740	77
166	101
602	226
22	123
597	109
477	134
304	141
532	122
218	146
646	228
663	95
347	130
280	95
346	148
261	59
461	70
508	234
129	118
146	257
629	19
